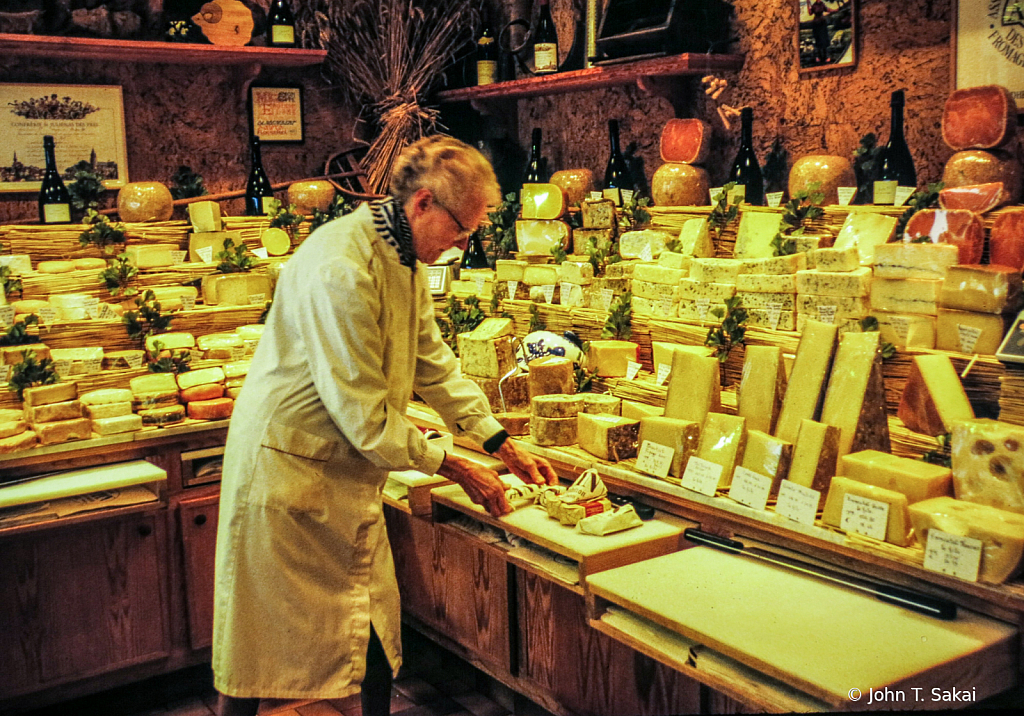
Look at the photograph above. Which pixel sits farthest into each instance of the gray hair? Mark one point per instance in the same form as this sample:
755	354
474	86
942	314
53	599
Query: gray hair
454	172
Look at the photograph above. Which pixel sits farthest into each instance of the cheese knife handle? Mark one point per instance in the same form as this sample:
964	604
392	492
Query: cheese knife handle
711	540
914	601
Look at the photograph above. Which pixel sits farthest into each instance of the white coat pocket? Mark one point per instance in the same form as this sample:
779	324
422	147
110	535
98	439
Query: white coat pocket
289	470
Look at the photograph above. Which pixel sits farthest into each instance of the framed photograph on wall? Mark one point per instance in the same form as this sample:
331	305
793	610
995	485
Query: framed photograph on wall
275	114
85	121
826	34
988	45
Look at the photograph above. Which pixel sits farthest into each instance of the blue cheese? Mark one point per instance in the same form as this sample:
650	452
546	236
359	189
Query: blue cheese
766	283
780	301
835	260
692	290
646	244
585	239
772	318
715	270
657	273
576	272
830	283
843	306
756	232
655	291
671	259
904	295
776	265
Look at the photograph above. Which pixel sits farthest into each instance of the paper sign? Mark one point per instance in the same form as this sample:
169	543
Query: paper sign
195	354
715	192
632	368
178	257
237	352
663	370
92	307
902	194
596	196
94	365
606	298
774	311
655	459
900	326
63	368
107	313
134	361
6	315
738	194
665	307
627	196
205	254
774	198
797	502
703	305
513	286
846	194
47	315
702	476
953	555
885	192
549	293
5	373
646	254
969	336
827	314
257	299
260	252
749	488
188	303
614	194
481	281
864	516
566	291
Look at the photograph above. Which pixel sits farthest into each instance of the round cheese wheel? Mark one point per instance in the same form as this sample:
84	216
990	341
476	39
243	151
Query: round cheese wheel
276	241
830	172
686	140
976	166
55	266
145	201
576	183
676	184
309	195
81	264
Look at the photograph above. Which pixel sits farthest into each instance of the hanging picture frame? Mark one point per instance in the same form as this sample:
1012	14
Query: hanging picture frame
988	45
826	37
276	114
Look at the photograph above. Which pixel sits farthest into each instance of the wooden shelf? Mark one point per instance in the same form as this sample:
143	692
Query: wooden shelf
687	64
167	53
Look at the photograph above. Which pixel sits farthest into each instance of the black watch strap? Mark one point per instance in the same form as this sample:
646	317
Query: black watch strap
494	443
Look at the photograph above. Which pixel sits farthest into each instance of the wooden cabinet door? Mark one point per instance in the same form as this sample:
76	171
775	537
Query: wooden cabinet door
412	545
199	540
81	599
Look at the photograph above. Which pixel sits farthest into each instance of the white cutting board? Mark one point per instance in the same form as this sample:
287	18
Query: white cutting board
81	482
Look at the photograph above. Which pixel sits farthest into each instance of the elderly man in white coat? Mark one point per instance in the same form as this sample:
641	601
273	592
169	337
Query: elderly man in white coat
306	601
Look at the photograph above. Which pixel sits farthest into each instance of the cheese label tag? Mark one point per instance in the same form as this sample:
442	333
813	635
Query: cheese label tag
549	292
188	303
566	292
63	368
94	365
646	254
663	370
596	196
665	307
715	192
827	314
6	315
797	502
885	192
614	194
632	368
953	555
107	313
774	199
606	298
92	307
237	352
260	252
969	336
47	315
134	360
703	305
256	299
902	194
5	373
480	282
513	286
205	254
750	488
655	459
738	194
900	326
774	311
846	194
702	476
864	516
178	257
195	354
627	196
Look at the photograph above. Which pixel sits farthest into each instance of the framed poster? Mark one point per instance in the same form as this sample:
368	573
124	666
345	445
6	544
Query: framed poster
826	34
86	122
988	45
275	114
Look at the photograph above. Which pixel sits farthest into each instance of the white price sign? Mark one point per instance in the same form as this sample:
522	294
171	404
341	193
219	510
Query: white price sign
627	195
549	293
596	196
47	315
797	502
6	315
94	365
237	352
513	286
566	291
107	313
655	459
703	305
774	198
846	194
715	192
606	298
702	476
952	554
188	303
902	194
969	336
5	373
62	367
205	254
632	368
92	307
900	326
134	360
774	311
481	281
257	299
178	257
260	252
750	488
646	253
864	516
663	372
827	314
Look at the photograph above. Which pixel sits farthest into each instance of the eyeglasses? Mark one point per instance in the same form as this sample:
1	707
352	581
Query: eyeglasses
464	233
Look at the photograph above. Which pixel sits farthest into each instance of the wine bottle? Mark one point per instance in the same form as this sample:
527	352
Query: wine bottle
745	171
486	58
54	200
895	164
616	175
281	25
257	190
545	42
535	167
474	256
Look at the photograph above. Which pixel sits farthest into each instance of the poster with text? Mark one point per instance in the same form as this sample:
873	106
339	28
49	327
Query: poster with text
277	113
989	47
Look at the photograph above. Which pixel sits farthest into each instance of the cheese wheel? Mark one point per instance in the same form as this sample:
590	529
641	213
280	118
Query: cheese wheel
217	409
163	416
556	406
978	198
686	140
156	399
830	172
551	374
208	391
108	410
1006	240
543	201
309	195
55	266
553	431
87	263
979	118
200	377
975	166
145	201
961	228
276	241
576	183
233	393
678	184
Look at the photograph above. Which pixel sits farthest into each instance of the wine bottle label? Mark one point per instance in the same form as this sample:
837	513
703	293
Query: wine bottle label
486	71
56	213
885	192
282	34
545	57
265	204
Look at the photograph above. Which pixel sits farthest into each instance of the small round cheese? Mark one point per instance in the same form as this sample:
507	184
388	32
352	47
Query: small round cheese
145	201
55	266
276	241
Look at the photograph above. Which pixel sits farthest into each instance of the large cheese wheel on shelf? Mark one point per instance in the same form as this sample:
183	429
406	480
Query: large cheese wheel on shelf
978	198
829	172
976	166
1006	239
686	140
979	118
576	183
962	228
677	184
145	201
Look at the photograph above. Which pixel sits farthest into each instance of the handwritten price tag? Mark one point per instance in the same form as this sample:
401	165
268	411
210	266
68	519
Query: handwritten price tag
606	298
703	305
797	502
774	311
178	257
63	368
864	516
827	314
969	336
902	194
665	307
774	199
655	459
513	286
900	326
566	292
632	368
715	192
596	196
750	488
953	555
188	303
134	360
549	293
738	194
702	476
237	352
627	195
47	315
663	372
205	254
846	194
107	313
257	299
5	373
6	315
94	365
481	281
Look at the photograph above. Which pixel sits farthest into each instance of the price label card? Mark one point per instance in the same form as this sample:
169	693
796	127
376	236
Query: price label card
188	303
750	488
827	314
549	293
606	298
596	196
5	373
614	194
205	254
738	194
900	326
655	459
257	299
94	365
107	313
513	286
47	315
63	368
663	371
6	315
864	516
774	311
260	252
646	254
481	281
565	292
797	502
665	307
716	192
902	194
774	198
195	354
92	307
885	192
135	360
237	352
846	194
632	368
627	195
953	555
969	336
702	476
703	305
178	257
250	345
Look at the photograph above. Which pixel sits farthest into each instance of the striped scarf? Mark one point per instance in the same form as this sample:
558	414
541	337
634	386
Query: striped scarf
391	224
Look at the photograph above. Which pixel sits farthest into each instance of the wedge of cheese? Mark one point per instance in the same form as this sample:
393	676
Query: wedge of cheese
970	332
609	437
767	455
898	525
609	359
815	457
486	357
683	436
933	399
722	440
542	201
755	234
580	273
807	380
694	388
829	283
537	237
906	330
695	239
984	289
855	400
920	261
906	295
988	463
637	411
916	479
762	387
658	273
865	231
673	260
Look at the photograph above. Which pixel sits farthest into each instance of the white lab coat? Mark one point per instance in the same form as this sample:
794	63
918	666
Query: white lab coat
303	561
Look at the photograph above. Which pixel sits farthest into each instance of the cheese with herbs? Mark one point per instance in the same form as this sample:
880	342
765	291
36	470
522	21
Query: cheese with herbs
831	283
835	260
655	291
715	270
646	244
766	283
716	293
905	295
776	265
771	318
840	306
779	301
756	232
921	261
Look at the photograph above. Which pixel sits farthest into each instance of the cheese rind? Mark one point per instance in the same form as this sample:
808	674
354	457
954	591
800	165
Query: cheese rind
865	231
694	388
51	412
62	431
985	289
916	479
609	437
683	436
722	440
922	261
487	358
551	374
108	410
906	330
906	295
855	400
933	398
47	394
553	431
807	380
608	359
831	283
556	406
692	290
898	525
761	387
988	463
815	457
601	403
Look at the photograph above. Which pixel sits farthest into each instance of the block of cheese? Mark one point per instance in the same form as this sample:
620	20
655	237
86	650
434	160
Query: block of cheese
691	310
106	396
645	244
81	360
236	369
580	273
115	424
477	274
51	412
715	270
843	325
673	260
47	394
865	231
716	293
898	526
695	239
233	393
55	266
204	216
835	260
19	441
62	431
200	377
916	479
766	283
598	213
776	265
807	380
509	270
542	201
694	387
984	289
12	355
809	242
855	400
536	237
906	330
10	428
1000	532
633	409
583	240
767	455
608	359
207	391
551	374
609	437
722	439
255	331
665	308
163	416
575	296
906	295
815	457
761	387
988	463
601	403
237	289
108	410
779	301
623	269
466	289
832	283
155	399
486	358
662	352
556	406
152	383
238	382
841	306
171	341
933	398
71	306
970	332
203	247
516	424
151	255
771	318
540	275
89	264
755	235
215	409
658	273
655	291
18	263
682	436
919	261
553	431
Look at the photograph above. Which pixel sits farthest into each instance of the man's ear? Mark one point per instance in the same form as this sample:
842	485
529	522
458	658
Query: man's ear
421	200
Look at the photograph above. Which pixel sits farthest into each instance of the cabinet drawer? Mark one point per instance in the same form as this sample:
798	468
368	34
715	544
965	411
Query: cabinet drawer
199	541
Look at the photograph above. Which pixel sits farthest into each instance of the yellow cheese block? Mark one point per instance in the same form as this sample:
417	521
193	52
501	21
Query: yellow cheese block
988	463
203	247
921	261
694	388
645	244
237	289
898	526
663	351
985	289
855	400
537	237
541	275
683	436
766	283
608	359
204	216
767	455
695	239
673	260
638	411
580	273
542	201
609	437
153	383
933	399
776	265
826	283
761	388
722	439
658	273
906	295
865	231
970	332
715	270
171	341
755	234
509	270
55	266
916	479
815	457
551	374
151	255
906	330
807	380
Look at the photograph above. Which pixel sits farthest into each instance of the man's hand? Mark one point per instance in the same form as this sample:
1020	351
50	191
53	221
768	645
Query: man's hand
527	467
482	484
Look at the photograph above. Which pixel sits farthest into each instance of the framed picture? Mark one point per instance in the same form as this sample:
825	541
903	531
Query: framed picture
275	114
827	34
988	37
85	121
